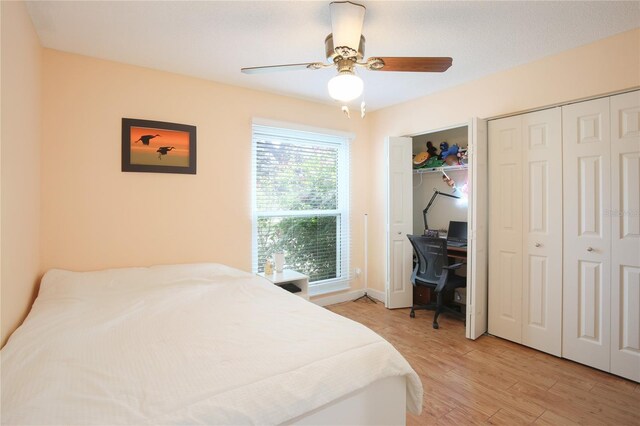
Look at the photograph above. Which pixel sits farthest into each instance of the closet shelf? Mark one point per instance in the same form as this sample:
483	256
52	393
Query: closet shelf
439	169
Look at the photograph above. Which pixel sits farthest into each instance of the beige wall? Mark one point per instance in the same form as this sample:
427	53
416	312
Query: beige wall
608	65
95	216
20	165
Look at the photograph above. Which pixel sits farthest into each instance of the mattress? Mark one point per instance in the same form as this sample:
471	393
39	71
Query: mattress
187	344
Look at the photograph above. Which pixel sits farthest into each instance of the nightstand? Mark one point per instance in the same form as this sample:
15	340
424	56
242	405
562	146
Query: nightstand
293	277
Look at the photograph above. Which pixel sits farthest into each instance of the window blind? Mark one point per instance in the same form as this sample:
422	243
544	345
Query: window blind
301	204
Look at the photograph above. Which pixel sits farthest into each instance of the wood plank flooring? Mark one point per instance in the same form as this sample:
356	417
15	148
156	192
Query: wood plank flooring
494	381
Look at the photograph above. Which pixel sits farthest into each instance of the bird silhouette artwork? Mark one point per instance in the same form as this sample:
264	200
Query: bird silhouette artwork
163	150
145	139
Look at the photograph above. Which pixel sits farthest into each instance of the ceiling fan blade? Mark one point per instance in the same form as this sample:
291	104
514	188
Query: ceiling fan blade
346	26
287	67
412	64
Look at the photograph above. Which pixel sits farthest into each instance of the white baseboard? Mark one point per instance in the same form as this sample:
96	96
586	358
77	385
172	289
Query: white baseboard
345	297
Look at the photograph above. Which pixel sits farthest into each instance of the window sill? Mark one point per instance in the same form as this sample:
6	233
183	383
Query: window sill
329	287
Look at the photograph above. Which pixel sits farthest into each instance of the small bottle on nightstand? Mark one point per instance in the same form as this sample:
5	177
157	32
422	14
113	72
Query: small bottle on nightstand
268	267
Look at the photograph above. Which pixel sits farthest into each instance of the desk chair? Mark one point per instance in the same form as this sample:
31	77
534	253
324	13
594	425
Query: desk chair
432	270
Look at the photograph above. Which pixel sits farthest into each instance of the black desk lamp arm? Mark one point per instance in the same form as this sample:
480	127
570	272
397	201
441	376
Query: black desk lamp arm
433	198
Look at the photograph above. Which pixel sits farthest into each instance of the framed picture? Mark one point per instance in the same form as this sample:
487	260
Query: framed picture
158	147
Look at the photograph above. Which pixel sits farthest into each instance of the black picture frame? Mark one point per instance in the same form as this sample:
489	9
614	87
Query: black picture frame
140	155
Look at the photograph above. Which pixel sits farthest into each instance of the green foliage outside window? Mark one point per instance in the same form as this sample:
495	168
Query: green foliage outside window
309	243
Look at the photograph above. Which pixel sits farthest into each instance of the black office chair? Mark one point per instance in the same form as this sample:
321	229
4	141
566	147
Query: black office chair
432	270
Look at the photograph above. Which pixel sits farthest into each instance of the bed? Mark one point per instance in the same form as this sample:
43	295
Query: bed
195	344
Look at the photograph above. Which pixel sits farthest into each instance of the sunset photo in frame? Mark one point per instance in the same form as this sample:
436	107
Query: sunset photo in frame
158	147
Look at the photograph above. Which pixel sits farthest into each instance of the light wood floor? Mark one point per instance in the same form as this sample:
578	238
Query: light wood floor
494	381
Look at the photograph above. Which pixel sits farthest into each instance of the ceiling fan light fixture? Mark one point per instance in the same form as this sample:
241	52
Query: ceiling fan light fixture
344	50
345	87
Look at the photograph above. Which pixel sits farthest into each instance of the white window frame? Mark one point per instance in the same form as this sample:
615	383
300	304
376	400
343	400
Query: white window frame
315	136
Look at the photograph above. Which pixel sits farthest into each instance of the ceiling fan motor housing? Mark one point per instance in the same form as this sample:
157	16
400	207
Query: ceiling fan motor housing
343	51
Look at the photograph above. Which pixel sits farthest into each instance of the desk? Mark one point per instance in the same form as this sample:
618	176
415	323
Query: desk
422	295
457	252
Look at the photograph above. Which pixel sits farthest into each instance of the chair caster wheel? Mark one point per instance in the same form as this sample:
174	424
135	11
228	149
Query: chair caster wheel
435	325
412	314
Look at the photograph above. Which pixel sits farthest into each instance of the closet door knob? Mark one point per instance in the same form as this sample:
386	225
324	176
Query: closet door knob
589	248
538	245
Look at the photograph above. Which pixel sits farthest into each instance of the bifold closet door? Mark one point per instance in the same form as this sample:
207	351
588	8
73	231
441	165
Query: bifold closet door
587	233
542	231
399	291
525	228
505	228
625	235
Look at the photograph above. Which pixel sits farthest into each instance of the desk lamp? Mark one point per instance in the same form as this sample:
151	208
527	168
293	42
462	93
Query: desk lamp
449	182
433	198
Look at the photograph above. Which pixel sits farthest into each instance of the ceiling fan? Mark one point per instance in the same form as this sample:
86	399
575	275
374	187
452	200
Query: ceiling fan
344	49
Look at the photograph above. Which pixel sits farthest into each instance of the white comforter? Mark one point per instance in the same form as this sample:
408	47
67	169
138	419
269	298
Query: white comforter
184	344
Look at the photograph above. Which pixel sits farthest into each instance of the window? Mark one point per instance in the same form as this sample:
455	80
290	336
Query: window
301	204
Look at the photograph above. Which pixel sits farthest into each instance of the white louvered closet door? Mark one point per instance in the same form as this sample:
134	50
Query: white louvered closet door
542	231
505	228
587	233
625	235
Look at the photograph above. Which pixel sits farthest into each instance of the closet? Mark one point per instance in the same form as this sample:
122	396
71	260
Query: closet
564	231
441	201
404	215
426	180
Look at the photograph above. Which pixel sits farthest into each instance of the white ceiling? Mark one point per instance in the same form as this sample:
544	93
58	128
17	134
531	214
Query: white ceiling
213	40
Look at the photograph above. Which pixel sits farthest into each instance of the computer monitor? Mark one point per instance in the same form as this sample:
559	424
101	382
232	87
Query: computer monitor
457	232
